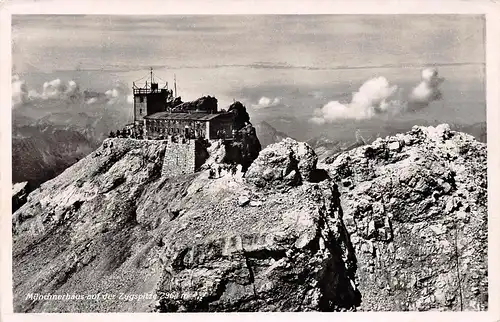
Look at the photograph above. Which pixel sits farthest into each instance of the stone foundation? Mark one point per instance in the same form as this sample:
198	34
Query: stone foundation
179	158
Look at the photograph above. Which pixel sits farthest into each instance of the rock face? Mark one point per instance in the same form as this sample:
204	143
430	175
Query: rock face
111	225
242	117
259	253
242	150
415	207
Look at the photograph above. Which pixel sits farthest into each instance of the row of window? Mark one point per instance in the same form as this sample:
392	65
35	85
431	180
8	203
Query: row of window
168	130
167	123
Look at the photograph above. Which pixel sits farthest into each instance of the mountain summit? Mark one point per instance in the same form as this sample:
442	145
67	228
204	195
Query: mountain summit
404	217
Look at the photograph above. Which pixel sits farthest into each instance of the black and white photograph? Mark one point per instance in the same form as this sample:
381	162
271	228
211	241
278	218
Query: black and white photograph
249	162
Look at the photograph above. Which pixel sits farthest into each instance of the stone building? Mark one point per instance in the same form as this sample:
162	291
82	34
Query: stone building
159	114
185	127
197	125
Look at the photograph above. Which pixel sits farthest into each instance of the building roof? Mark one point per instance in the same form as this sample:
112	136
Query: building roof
185	116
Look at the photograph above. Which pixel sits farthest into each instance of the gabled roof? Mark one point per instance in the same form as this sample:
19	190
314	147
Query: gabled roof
185	116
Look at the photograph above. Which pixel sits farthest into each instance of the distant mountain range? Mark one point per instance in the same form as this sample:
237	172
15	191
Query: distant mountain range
478	130
46	143
326	147
40	153
268	134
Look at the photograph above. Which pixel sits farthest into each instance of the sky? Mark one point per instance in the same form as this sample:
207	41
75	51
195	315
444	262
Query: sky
298	72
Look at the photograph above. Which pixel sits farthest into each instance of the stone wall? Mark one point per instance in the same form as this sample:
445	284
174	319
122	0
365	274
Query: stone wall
179	158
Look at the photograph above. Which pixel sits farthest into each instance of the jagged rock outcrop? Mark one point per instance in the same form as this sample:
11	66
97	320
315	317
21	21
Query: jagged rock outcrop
111	225
241	117
244	149
287	163
205	103
271	253
415	207
241	150
245	146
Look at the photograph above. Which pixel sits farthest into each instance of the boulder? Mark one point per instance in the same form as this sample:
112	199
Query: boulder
287	163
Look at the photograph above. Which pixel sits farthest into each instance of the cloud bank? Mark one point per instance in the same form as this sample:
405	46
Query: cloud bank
57	90
378	97
119	95
266	102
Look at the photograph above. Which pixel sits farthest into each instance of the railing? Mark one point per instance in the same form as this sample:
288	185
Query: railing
148	90
143	91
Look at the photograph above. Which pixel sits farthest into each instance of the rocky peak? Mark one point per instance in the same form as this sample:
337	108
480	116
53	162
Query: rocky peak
415	208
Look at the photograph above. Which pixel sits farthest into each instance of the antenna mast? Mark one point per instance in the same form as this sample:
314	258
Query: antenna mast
175	87
151	75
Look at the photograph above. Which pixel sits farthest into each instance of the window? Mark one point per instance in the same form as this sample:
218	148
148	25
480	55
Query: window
140	111
141	99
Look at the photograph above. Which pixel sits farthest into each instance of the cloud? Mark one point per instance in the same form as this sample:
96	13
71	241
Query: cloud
318	120
57	90
20	93
51	90
119	94
266	102
377	97
426	91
